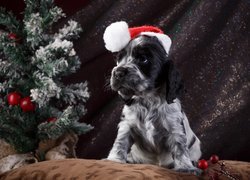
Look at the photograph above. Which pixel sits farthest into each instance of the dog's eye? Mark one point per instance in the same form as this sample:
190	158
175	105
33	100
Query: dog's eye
143	59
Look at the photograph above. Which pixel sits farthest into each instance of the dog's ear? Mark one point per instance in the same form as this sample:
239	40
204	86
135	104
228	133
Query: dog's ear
174	82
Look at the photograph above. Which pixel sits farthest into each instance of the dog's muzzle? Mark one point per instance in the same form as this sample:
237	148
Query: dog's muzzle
118	77
120	73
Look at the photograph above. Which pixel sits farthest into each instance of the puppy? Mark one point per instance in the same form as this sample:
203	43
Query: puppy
154	128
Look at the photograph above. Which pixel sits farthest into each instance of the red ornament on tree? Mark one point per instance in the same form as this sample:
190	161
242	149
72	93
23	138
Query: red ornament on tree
26	104
202	164
214	159
13	98
12	36
51	119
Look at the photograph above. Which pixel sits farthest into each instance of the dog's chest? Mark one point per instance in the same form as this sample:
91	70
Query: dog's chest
145	121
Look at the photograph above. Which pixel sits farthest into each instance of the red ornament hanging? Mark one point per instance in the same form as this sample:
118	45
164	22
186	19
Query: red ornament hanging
14	37
214	159
51	119
27	105
13	98
202	164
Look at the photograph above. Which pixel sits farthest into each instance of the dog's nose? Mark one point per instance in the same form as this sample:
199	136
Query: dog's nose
120	72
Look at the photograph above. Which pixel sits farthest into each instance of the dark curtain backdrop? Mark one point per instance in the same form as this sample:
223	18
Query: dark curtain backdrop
211	49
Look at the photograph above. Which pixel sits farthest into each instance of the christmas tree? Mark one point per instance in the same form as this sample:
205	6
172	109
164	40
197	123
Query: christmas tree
35	104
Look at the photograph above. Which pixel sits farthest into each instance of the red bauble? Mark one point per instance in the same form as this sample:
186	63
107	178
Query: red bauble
13	98
51	119
15	38
202	164
26	104
214	159
12	36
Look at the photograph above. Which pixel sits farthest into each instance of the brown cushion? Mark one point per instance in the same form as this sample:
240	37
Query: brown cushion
99	169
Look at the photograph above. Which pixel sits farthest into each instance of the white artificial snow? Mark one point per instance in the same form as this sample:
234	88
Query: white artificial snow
65	45
57	13
48	90
4	65
34	28
44	53
34	24
61	65
72	53
3	86
34	94
10	69
75	93
72	29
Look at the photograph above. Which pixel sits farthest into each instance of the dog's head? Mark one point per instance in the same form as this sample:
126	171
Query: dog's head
142	61
142	67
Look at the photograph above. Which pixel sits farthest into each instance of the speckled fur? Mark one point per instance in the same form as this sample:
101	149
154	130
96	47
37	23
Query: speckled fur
153	128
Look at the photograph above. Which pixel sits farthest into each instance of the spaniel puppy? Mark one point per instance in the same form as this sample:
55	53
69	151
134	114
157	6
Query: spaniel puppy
154	128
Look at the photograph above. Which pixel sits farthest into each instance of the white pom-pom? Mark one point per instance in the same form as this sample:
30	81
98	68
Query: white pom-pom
116	36
163	38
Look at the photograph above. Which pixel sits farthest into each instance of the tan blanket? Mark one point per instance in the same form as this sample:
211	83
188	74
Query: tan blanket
80	169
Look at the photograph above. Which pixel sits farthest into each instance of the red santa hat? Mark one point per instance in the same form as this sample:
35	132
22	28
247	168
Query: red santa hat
117	35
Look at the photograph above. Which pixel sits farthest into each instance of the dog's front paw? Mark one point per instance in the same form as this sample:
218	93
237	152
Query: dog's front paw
193	170
116	160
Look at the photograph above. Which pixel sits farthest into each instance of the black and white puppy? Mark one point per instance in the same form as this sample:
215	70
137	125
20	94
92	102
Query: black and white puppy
153	128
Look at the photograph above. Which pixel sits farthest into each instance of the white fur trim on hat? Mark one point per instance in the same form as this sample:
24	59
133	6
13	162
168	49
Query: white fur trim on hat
116	36
163	38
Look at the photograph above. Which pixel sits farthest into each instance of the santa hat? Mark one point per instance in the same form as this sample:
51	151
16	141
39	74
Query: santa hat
117	35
